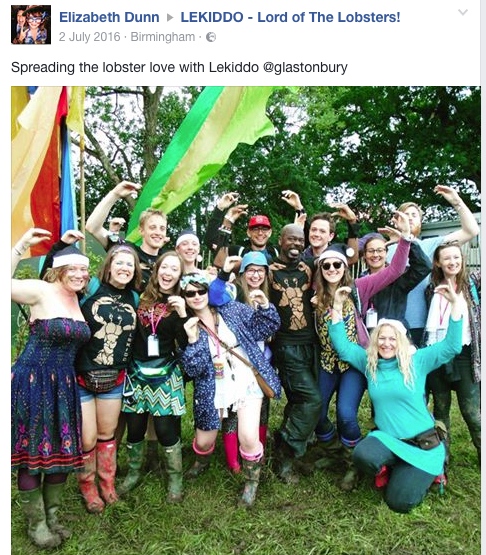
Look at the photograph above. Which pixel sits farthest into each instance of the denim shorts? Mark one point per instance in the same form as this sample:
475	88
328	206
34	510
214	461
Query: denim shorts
86	395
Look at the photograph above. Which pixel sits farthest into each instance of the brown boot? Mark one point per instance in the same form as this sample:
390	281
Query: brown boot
152	461
284	461
106	467
87	484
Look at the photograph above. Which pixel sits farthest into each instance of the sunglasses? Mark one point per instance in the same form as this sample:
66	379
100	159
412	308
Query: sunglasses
34	19
328	265
192	294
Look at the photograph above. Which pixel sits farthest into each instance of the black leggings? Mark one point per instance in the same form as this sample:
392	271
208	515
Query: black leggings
167	428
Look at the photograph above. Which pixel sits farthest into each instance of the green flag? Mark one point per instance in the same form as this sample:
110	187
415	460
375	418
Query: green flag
221	118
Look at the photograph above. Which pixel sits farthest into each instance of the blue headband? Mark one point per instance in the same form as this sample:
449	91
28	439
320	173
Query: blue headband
200	279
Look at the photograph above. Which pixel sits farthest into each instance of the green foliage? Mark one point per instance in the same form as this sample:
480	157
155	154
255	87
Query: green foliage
372	147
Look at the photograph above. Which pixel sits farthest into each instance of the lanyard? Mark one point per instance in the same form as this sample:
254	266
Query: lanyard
214	337
442	312
153	324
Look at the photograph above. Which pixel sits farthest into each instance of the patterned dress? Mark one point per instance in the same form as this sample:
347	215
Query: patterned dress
160	391
46	410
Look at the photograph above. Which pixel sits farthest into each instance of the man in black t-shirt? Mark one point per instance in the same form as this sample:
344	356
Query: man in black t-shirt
152	224
295	349
218	234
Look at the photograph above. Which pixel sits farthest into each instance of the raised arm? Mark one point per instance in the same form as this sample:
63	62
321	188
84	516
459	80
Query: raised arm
370	284
418	269
27	291
348	351
216	219
469	225
344	211
100	214
68	238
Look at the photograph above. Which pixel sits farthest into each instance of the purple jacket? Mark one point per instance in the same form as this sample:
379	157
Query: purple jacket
249	326
370	284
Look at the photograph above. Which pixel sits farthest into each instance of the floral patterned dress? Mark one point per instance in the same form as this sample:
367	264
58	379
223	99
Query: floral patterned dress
46	410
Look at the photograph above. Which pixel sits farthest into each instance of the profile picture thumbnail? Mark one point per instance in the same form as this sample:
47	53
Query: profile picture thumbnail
31	24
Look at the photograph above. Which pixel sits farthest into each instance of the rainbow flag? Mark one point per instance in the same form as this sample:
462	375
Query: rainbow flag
221	118
42	180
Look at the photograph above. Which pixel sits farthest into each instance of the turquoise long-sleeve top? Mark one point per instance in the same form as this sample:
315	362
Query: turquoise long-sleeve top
401	411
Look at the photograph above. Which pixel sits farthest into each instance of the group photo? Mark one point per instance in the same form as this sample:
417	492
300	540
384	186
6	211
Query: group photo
245	320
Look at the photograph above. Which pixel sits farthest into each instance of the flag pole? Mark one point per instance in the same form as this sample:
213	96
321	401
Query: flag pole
82	203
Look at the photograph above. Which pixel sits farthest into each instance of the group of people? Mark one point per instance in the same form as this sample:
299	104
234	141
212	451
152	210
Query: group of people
113	354
30	24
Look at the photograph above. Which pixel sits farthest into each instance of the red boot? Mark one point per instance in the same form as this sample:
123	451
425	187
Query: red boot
87	485
106	466
262	436
230	442
381	479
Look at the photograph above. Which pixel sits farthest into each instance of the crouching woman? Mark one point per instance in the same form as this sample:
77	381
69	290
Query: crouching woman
405	448
222	349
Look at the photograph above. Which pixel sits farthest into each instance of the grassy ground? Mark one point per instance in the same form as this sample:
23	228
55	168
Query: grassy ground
311	518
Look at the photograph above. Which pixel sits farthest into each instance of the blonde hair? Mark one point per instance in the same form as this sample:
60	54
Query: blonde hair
245	290
403	352
407	205
149	212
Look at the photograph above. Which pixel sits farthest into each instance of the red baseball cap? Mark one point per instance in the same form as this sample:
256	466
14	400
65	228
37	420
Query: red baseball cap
259	220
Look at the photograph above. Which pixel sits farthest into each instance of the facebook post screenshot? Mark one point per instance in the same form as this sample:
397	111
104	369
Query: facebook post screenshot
245	288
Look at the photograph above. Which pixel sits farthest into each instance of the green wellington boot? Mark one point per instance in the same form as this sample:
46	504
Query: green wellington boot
38	531
52	494
135	461
173	465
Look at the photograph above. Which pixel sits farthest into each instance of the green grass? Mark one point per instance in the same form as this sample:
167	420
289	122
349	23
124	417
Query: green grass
312	518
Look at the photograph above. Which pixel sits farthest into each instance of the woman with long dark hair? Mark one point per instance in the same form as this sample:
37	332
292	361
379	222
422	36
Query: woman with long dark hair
154	384
101	365
222	356
337	376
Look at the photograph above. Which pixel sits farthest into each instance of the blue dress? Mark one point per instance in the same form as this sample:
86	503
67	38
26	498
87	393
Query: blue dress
46	410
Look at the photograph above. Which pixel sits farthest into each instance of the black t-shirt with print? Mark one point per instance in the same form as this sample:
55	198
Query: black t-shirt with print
147	261
291	292
112	318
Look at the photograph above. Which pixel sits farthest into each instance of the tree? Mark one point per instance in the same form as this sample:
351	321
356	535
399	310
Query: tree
388	145
373	147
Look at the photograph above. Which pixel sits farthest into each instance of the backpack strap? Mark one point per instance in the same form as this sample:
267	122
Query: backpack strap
474	289
136	298
93	286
